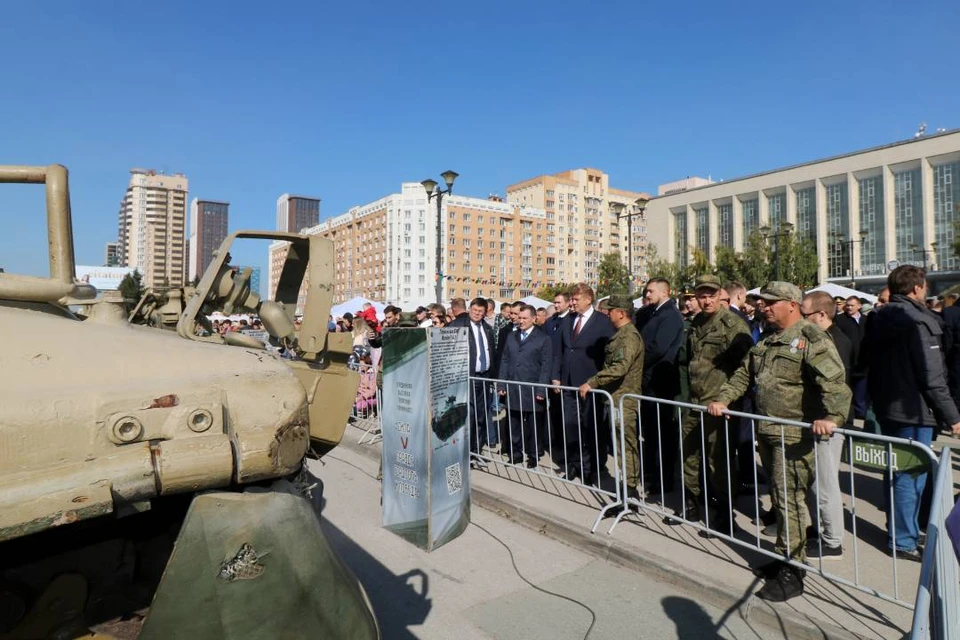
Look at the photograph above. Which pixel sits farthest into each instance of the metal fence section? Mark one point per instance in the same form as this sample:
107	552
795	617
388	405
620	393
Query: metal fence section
787	440
936	614
550	431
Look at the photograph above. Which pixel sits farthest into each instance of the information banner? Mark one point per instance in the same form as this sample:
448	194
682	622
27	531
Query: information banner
426	491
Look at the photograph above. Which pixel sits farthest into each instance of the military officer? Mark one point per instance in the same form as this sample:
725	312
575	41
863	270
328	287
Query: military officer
717	343
622	373
798	376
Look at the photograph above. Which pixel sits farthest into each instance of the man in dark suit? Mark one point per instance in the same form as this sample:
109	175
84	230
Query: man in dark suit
480	335
853	324
580	356
736	296
501	340
661	327
951	348
527	357
561	301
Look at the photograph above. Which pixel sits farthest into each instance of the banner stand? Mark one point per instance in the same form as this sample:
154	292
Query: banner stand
426	453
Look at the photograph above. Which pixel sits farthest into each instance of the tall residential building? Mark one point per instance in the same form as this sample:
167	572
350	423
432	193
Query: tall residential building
295	213
112	259
151	227
580	226
865	211
208	228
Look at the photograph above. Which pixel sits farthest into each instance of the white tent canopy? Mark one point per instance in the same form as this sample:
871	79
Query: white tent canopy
535	302
354	305
835	291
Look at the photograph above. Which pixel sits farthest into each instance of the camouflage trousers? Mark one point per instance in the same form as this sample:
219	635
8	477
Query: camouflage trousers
789	464
629	425
716	444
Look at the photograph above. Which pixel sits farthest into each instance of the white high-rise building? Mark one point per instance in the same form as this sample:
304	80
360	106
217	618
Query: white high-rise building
151	227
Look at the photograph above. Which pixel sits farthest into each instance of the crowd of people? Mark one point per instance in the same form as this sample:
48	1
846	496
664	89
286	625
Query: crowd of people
779	353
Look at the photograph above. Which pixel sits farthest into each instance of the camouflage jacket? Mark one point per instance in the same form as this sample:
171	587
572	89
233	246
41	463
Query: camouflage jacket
798	376
622	371
716	347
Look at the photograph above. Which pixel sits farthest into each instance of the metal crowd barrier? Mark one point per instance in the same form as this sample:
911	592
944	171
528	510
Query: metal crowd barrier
367	405
936	614
887	454
548	434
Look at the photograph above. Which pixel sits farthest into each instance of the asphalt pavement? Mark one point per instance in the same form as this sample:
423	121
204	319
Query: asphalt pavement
500	579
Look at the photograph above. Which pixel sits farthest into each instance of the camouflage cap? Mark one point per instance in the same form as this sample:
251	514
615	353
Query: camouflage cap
708	281
603	305
776	290
620	302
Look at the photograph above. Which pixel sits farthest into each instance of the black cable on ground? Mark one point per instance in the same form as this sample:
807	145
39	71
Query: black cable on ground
513	561
355	466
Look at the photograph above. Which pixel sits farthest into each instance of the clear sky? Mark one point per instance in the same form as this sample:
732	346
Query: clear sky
346	100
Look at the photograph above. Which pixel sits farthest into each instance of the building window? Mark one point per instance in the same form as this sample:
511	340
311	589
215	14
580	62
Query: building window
946	197
777	208
703	229
807	214
873	249
725	215
838	222
751	218
908	216
680	248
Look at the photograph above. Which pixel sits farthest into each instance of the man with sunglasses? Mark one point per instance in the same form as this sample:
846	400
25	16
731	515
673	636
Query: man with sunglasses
798	375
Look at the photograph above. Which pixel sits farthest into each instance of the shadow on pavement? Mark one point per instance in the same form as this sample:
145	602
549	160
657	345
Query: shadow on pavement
399	602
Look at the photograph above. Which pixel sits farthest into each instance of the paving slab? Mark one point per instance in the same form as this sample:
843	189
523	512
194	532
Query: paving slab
717	571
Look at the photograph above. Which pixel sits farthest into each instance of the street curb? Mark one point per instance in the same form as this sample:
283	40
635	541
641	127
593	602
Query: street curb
701	587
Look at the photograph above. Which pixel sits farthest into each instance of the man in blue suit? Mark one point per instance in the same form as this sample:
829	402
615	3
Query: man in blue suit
527	357
480	335
561	302
579	356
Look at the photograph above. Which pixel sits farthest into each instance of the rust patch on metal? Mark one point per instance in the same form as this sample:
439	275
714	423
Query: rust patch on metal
165	402
67	517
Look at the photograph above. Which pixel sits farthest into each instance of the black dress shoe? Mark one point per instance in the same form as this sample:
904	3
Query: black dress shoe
914	555
689	512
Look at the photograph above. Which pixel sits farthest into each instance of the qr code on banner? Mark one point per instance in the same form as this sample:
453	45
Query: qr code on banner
454	479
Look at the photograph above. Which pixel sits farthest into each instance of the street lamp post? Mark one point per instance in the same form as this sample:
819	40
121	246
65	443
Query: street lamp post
434	191
640	205
849	244
766	233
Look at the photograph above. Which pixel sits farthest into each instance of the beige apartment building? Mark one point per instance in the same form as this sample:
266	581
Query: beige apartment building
151	227
866	211
580	226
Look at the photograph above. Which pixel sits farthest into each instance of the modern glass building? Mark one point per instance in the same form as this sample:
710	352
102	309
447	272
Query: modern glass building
865	211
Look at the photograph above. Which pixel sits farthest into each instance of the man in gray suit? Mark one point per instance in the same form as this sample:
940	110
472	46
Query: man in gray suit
527	357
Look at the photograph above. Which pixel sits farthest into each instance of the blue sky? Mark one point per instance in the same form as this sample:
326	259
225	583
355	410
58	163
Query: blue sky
347	100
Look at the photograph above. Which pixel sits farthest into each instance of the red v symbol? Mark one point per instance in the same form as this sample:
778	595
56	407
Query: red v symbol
404	441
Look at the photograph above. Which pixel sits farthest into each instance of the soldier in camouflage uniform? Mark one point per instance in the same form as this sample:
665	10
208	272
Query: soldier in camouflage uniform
717	343
622	373
798	376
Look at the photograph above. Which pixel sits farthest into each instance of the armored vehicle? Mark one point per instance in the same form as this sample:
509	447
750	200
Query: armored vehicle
153	482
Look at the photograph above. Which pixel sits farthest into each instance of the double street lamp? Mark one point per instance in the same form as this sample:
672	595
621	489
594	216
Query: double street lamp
434	191
766	232
619	208
849	245
933	250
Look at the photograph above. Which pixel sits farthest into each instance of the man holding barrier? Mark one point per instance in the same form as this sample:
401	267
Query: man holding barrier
798	376
622	373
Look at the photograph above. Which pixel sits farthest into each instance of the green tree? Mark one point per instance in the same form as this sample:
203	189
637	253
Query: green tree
728	265
757	269
548	292
613	277
131	288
